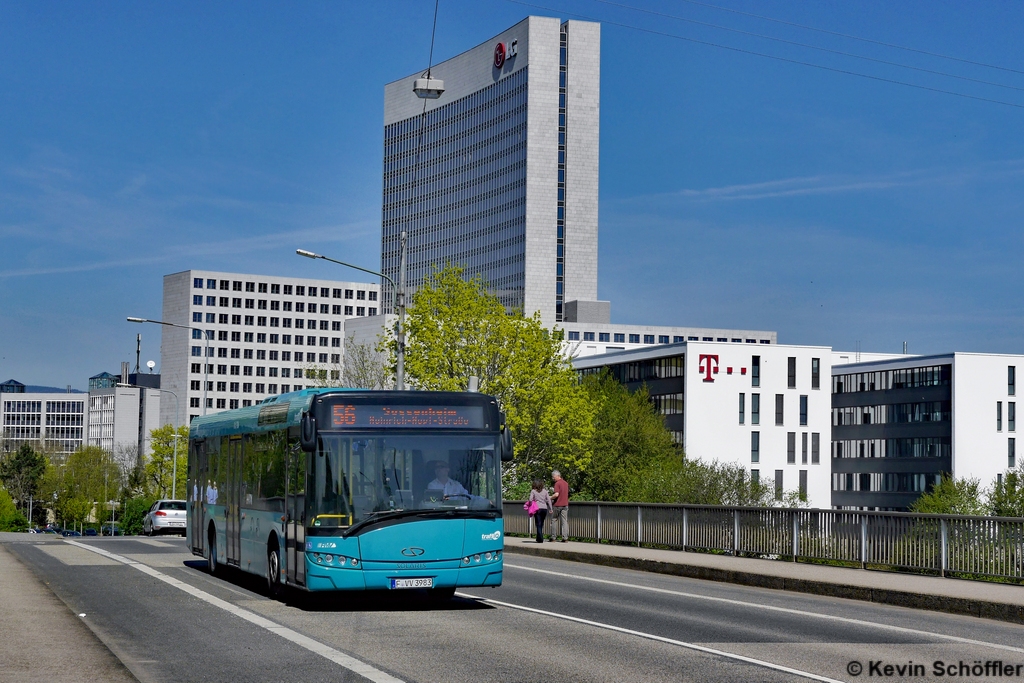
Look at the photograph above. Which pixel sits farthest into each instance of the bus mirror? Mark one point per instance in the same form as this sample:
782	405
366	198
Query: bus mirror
506	444
307	434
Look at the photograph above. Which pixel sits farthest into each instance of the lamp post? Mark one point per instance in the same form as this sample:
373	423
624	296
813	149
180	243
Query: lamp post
177	417
206	357
397	302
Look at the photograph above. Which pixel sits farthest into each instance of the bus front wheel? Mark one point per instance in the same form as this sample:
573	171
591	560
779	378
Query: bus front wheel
211	547
274	584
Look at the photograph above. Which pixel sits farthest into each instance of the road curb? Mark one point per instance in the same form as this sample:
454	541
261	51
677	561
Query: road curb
937	603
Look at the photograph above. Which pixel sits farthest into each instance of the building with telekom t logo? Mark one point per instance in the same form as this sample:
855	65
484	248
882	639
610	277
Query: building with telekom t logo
766	407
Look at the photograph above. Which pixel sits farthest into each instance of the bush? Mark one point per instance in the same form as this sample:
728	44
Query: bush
10	518
133	511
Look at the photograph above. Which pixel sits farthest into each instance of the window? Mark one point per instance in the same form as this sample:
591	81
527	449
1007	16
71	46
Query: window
197	300
197	367
791	363
193	402
211	301
743	407
261	321
348	293
335	358
335	310
815	373
247	371
222	370
261	371
236	302
755	476
298	372
999	416
815	448
323	291
663	339
274	321
222	386
221	403
604	337
236	353
299	290
261	338
677	339
211	317
778	409
648	339
348	310
236	320
755	446
620	338
634	339
271	388
197	350
803	411
1011	453
803	448
755	371
803	484
361	295
574	336
324	324
222	336
286	372
197	317
360	310
335	342
197	282
790	448
263	288
273	372
1011	416
588	336
778	484
1011	380
287	356
249	320
336	293
373	296
260	387
755	409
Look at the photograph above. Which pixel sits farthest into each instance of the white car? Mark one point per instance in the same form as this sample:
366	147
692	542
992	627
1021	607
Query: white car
165	517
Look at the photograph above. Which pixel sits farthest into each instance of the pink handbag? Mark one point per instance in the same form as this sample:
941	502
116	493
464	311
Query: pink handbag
531	507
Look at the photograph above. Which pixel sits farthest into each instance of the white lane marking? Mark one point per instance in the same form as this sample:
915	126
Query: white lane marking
660	639
340	658
156	544
772	608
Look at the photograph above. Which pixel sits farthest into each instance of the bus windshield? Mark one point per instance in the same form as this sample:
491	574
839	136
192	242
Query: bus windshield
360	477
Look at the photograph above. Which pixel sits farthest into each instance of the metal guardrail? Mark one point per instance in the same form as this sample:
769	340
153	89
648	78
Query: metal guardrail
939	544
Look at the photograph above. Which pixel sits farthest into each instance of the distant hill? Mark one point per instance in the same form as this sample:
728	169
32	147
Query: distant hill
34	389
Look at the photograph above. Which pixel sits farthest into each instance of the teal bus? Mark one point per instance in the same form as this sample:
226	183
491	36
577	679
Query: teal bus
340	490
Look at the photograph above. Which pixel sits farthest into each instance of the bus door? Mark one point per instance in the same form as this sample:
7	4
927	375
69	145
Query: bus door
232	504
295	528
199	476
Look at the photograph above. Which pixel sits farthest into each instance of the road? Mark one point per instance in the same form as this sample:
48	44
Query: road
551	621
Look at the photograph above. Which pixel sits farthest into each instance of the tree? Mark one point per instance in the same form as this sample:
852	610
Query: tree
457	329
10	518
366	366
160	467
952	497
20	473
1007	495
90	474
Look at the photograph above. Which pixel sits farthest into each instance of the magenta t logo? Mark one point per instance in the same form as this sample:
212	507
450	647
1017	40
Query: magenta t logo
708	365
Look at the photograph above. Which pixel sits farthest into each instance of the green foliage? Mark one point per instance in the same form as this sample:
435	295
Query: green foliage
90	474
1006	498
457	329
20	473
74	509
952	497
160	468
133	510
10	518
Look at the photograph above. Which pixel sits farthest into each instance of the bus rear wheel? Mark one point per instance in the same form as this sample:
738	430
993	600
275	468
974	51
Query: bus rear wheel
274	584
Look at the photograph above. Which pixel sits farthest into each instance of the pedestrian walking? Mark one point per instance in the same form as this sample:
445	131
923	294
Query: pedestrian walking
560	511
539	495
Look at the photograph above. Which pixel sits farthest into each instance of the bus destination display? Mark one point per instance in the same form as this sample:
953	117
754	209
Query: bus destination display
407	417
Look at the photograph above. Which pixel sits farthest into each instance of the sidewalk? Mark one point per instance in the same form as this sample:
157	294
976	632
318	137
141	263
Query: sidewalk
42	639
1004	602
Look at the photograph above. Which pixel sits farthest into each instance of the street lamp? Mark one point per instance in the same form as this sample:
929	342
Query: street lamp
397	302
206	358
177	417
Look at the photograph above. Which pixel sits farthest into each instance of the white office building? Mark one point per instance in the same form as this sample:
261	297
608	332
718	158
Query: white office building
120	418
899	424
251	336
766	407
53	422
504	178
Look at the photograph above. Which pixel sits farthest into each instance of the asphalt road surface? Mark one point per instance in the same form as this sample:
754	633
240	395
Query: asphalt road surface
154	605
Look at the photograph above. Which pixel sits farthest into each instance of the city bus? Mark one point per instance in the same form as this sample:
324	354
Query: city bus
341	490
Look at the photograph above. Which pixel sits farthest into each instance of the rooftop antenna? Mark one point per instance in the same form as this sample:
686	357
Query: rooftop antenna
138	351
904	348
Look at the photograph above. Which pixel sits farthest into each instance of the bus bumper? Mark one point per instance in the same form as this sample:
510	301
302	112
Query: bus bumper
319	578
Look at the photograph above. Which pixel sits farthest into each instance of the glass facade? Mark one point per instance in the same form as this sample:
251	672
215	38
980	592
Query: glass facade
455	180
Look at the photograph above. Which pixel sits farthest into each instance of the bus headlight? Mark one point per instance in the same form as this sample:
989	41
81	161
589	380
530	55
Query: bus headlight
330	558
354	562
487	556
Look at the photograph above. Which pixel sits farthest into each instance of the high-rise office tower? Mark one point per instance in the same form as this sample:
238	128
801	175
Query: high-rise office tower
500	173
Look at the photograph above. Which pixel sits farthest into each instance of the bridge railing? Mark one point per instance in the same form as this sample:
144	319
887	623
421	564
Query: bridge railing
940	544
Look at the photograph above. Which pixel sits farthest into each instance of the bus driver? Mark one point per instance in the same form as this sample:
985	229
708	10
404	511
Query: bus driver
441	482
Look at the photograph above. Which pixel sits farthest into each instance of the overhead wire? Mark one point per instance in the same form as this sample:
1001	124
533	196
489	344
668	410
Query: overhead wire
852	37
806	45
769	56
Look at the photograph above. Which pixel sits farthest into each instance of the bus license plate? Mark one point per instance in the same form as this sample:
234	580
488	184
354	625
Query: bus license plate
412	583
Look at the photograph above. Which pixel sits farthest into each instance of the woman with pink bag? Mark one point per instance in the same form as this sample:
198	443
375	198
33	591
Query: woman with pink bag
539	505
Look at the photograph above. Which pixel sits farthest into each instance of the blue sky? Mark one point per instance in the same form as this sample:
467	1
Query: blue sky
139	139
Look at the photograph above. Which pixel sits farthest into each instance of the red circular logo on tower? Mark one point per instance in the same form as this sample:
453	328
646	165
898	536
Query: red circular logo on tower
499	55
